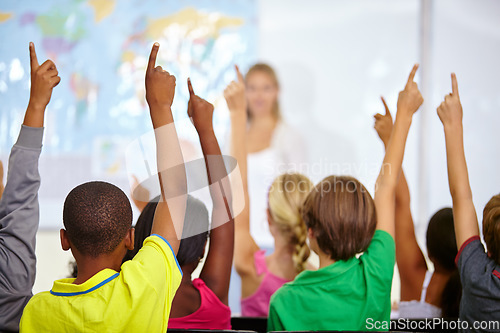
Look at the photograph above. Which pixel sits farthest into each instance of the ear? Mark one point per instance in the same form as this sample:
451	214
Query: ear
269	217
270	222
65	244
310	234
130	239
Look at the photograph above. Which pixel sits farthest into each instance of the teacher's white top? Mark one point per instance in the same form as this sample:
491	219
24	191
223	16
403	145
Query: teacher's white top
286	153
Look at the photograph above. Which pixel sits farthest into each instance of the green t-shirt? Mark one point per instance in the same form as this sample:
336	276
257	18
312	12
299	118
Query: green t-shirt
347	295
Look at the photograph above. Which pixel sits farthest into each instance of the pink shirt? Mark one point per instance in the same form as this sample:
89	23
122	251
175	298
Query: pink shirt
257	305
212	314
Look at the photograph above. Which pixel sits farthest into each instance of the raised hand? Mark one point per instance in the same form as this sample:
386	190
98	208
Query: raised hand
410	98
383	124
235	94
200	111
43	79
160	84
450	111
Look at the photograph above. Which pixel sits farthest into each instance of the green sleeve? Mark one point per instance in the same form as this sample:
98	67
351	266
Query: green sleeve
273	320
380	257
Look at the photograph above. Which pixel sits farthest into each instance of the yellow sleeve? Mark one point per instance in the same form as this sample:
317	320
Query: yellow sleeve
156	253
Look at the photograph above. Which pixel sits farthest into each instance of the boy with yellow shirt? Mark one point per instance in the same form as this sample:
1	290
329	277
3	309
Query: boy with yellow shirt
107	296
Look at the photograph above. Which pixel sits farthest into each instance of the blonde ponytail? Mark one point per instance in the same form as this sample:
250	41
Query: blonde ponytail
286	196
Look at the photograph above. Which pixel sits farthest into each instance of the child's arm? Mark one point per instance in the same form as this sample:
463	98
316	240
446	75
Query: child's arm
464	213
245	246
19	208
216	272
409	101
169	215
409	257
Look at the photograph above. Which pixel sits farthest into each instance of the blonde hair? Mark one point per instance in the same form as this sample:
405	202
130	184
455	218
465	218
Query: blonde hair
286	196
265	68
491	227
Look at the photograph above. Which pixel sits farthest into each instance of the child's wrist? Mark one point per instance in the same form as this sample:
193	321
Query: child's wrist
207	131
161	115
452	128
403	117
36	107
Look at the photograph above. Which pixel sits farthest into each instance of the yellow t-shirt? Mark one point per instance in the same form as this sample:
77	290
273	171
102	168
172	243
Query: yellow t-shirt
136	299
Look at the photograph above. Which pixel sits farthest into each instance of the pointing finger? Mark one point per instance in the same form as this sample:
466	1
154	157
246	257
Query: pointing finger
33	59
412	75
454	84
190	88
152	56
238	73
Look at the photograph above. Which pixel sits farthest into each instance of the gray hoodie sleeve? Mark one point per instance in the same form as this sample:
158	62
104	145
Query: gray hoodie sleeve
19	217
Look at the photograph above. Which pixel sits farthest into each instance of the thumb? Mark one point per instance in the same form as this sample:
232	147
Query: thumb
238	73
33	59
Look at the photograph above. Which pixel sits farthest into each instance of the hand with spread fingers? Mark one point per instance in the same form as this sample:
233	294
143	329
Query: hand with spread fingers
383	124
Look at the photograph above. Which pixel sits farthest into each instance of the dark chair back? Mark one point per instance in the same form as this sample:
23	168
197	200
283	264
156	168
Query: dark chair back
257	324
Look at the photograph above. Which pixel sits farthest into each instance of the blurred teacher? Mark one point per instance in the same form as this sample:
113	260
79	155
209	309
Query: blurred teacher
274	147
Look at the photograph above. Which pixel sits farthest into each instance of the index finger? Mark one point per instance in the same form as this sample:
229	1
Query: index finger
33	58
190	88
412	74
454	84
238	73
152	56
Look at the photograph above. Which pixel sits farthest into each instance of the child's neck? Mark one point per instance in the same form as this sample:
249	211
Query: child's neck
90	266
324	260
264	121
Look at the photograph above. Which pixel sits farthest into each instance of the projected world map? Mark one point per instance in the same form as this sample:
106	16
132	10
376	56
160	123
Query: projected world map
101	49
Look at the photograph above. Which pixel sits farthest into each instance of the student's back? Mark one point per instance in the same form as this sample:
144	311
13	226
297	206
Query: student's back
112	299
479	270
342	219
106	295
202	303
340	296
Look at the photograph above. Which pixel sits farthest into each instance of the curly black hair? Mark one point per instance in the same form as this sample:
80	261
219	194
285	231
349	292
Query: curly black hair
96	216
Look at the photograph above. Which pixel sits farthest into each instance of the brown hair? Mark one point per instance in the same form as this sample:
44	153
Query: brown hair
341	214
286	196
491	227
265	68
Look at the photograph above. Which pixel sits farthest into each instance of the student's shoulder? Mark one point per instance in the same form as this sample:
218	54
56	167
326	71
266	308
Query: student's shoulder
382	243
159	244
155	251
285	292
473	261
39	301
380	257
